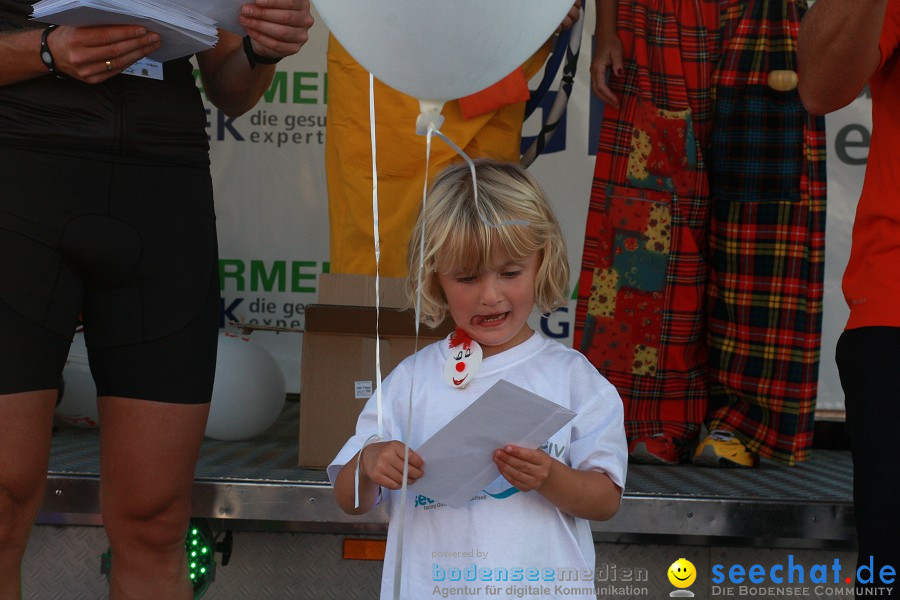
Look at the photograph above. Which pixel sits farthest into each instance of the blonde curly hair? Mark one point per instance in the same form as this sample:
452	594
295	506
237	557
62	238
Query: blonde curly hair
456	235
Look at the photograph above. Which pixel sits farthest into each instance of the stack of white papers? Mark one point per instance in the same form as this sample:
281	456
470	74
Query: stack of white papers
184	31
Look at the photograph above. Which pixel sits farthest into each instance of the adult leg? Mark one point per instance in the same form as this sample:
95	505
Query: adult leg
152	354
27	420
639	317
148	451
869	367
766	244
32	357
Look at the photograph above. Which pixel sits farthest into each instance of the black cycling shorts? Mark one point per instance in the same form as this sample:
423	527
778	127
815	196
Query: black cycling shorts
127	248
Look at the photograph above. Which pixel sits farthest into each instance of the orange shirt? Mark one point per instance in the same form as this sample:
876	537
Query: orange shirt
872	279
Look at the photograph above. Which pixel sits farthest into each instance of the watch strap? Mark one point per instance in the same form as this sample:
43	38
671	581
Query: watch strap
47	56
256	59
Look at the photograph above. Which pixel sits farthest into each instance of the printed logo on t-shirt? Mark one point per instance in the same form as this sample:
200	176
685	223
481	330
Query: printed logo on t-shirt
500	489
554	450
429	503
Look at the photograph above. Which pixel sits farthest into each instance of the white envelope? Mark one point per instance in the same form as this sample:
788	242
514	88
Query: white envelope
459	458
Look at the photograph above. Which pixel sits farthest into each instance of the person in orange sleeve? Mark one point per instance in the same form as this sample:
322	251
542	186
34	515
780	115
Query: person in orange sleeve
844	46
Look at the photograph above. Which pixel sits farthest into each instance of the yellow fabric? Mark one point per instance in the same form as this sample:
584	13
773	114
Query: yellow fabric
401	160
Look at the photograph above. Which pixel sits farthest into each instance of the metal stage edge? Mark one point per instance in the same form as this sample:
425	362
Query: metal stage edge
255	485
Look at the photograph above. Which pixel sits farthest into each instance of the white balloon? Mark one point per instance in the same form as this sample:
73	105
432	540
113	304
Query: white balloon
248	393
78	405
441	49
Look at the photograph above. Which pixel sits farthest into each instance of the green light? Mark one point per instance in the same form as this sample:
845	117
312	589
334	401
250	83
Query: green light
202	568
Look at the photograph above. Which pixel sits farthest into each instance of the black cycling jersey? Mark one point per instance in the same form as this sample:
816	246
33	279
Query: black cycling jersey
119	117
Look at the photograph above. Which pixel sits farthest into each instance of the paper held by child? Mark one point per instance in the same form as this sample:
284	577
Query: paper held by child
459	457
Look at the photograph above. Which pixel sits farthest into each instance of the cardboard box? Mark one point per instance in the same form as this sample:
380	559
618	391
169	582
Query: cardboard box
337	371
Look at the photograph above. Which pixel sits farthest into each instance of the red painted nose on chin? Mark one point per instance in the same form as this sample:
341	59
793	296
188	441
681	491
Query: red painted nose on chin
460	366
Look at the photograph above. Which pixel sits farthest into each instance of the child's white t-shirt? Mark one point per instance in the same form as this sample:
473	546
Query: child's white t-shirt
502	538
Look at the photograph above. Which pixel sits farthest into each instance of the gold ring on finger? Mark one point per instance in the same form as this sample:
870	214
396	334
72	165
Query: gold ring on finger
109	65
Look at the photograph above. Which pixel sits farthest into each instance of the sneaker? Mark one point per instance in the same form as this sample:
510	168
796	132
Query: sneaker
656	449
722	449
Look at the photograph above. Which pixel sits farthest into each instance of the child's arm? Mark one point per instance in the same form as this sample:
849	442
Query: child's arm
381	464
584	494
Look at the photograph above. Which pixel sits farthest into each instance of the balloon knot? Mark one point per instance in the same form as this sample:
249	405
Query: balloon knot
429	116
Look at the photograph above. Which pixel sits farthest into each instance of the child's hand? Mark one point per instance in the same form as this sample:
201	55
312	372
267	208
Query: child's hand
382	463
526	469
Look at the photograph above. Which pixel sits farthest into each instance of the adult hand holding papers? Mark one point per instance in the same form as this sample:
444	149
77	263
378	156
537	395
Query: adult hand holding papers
183	30
459	457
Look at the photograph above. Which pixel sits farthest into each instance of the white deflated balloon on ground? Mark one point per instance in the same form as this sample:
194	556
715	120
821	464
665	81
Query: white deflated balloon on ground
441	49
249	390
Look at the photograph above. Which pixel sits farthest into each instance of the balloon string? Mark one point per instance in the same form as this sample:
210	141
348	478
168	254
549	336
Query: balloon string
471	164
399	514
380	435
371	440
377	254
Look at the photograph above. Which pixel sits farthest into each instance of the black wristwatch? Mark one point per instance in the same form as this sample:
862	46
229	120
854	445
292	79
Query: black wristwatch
47	56
256	59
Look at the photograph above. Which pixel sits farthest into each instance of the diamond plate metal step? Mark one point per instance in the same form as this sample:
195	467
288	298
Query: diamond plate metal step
257	482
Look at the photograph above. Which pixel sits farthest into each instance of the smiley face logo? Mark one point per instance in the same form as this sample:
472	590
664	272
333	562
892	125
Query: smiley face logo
682	573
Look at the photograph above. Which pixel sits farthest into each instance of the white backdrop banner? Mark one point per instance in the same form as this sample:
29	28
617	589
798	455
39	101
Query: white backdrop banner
272	204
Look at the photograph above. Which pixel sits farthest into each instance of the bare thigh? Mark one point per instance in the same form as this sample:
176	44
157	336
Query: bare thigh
148	451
